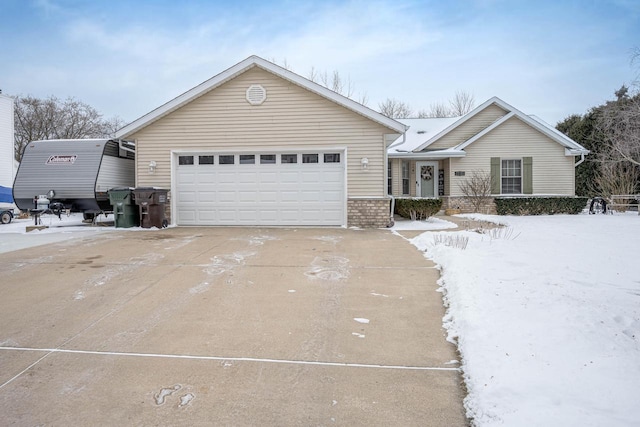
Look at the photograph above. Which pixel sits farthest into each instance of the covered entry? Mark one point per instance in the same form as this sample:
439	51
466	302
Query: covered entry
260	188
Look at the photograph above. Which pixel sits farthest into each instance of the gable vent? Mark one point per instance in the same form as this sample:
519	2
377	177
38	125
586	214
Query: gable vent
256	94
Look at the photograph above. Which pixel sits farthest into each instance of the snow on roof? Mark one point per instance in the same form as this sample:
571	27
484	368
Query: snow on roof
424	132
420	131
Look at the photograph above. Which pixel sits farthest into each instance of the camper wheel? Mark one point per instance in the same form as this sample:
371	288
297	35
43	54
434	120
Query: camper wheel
5	217
88	216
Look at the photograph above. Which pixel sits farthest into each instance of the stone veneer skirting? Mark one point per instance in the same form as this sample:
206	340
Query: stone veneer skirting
453	202
368	213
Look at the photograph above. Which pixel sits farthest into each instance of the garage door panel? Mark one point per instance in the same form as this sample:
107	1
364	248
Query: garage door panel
268	196
289	177
186	178
206	196
227	215
312	177
267	178
226	196
226	177
261	194
187	197
332	196
249	196
205	215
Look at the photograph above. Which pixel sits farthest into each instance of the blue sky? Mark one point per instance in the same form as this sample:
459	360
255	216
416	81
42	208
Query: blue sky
125	58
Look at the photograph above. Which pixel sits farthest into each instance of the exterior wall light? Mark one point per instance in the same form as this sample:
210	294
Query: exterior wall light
152	166
364	162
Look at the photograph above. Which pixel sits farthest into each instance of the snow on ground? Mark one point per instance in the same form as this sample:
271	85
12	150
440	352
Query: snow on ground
14	235
546	315
431	223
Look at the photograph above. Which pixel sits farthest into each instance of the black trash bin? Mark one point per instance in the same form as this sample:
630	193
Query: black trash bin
125	213
151	202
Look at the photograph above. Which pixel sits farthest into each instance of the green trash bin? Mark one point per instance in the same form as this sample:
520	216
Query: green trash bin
151	202
125	213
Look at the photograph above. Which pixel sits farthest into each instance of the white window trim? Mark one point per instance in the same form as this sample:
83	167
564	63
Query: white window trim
521	174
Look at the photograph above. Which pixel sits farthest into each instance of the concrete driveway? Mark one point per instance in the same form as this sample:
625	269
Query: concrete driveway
225	326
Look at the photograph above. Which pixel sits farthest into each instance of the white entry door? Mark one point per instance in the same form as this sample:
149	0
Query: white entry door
292	188
426	179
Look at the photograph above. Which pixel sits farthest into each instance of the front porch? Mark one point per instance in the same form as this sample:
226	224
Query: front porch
429	178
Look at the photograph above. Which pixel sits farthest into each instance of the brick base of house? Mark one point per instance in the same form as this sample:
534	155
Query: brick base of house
368	213
453	202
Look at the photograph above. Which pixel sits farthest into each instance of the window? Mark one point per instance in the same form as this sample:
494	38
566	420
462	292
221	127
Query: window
227	159
289	158
267	159
205	160
511	177
405	177
332	158
309	158
389	179
185	160
247	159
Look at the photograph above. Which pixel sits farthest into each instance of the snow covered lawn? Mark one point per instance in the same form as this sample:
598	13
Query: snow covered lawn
546	314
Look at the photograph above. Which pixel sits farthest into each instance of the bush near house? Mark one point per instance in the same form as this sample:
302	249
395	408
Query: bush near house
540	205
417	209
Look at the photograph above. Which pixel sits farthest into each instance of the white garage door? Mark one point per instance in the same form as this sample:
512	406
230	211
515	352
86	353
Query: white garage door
260	189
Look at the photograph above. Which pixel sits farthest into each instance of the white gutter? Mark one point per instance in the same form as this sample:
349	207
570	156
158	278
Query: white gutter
427	155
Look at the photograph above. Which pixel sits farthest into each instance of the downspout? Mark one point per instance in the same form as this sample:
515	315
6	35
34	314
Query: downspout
582	159
386	179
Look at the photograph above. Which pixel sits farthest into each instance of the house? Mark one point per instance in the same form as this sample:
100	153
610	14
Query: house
521	155
260	145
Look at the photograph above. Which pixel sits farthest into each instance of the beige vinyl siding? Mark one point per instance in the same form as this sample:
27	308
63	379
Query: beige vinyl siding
553	172
222	120
469	128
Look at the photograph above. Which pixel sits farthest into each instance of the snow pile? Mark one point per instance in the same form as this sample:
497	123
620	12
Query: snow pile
546	314
431	223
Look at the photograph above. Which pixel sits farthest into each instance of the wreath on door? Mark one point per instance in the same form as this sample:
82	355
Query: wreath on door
426	172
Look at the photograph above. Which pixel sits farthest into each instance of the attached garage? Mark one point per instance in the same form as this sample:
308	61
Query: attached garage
288	188
261	145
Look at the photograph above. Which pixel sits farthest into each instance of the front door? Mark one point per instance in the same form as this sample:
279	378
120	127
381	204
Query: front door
426	179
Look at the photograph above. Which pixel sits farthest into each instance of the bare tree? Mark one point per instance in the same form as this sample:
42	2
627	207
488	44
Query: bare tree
620	121
436	109
313	75
112	125
395	109
462	103
284	63
50	118
615	178
363	98
476	190
335	82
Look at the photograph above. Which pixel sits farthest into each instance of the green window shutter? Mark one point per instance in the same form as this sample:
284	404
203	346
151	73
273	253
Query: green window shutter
527	175
495	175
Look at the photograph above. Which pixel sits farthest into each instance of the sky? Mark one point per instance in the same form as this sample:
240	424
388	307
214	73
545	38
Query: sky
125	58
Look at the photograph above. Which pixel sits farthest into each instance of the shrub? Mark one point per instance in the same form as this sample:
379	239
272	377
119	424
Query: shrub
476	190
417	209
540	205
